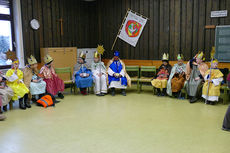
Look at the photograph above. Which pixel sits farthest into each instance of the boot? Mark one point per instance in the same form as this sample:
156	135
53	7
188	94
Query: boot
158	92
21	104
212	103
5	108
60	95
26	101
34	99
193	100
123	92
113	91
163	92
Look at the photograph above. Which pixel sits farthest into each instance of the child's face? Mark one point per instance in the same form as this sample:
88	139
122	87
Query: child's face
81	60
96	60
33	66
214	65
198	60
116	58
15	65
164	62
180	62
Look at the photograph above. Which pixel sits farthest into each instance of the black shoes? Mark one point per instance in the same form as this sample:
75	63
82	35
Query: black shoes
27	104
100	94
60	95
113	91
123	92
193	100
21	104
5	108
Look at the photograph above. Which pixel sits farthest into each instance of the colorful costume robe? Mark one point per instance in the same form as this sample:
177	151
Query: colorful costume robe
119	68
100	82
194	70
15	82
36	88
53	83
214	86
162	76
176	79
6	93
82	82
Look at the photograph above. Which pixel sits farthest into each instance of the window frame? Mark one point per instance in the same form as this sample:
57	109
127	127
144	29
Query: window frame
7	17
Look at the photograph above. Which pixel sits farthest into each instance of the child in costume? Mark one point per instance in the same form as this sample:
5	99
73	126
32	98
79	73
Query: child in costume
15	82
214	80
162	76
32	79
6	93
195	73
82	75
117	76
99	75
54	85
177	78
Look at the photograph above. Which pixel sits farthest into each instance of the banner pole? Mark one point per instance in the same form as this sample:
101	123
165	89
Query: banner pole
120	29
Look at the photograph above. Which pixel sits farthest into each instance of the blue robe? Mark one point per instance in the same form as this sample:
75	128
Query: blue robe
117	67
83	82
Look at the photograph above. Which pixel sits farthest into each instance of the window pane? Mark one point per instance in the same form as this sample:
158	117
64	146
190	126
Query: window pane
5	41
4	10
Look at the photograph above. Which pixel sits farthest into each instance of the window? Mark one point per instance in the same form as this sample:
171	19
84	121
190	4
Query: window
222	43
6	31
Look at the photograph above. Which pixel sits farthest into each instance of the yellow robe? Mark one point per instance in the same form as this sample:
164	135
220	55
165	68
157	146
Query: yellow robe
214	90
15	82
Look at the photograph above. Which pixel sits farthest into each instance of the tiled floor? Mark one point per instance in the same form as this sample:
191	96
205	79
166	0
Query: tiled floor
137	123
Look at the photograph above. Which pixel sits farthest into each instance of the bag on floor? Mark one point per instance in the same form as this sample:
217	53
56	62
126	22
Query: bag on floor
46	101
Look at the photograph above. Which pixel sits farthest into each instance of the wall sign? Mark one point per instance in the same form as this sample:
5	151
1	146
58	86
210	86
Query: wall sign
217	14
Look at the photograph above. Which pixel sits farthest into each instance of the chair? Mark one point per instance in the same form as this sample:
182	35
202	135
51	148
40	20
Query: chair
143	79
136	70
66	82
224	95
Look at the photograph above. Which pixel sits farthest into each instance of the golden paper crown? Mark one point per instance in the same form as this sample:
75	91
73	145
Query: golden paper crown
96	55
200	55
165	57
180	57
214	61
31	60
48	59
82	55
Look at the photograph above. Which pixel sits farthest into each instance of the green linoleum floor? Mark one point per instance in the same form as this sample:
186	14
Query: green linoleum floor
137	123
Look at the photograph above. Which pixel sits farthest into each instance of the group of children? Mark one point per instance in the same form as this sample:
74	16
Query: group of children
114	74
194	77
34	84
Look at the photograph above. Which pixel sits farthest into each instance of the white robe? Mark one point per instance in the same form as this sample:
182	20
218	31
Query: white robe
100	82
116	84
